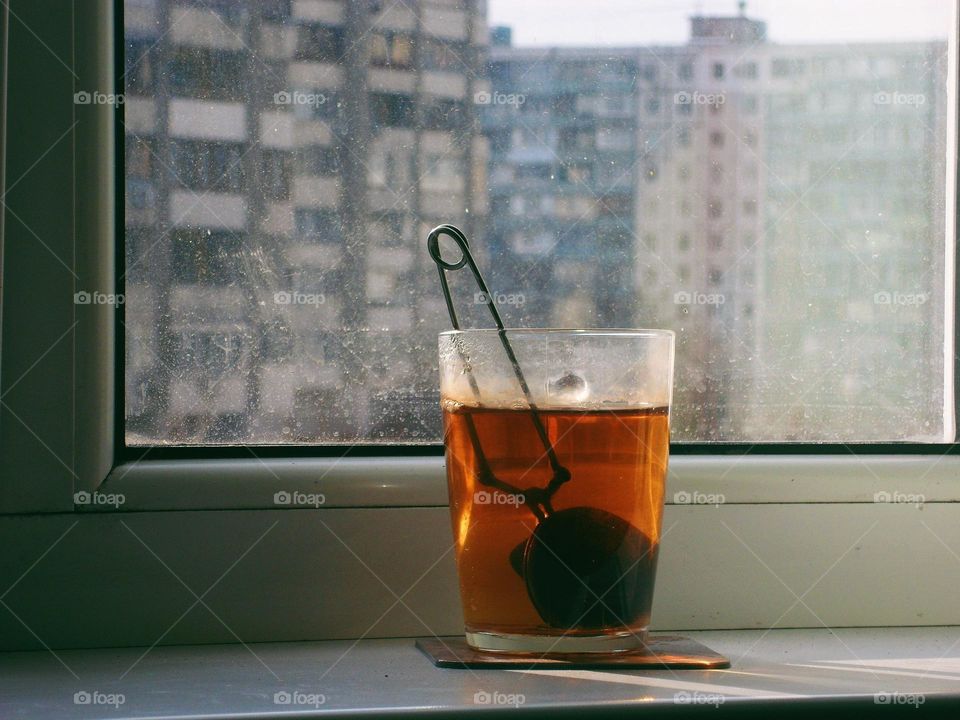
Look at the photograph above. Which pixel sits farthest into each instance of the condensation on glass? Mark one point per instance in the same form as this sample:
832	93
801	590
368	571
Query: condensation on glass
781	207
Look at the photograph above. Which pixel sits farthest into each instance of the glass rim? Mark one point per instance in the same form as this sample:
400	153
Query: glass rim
593	332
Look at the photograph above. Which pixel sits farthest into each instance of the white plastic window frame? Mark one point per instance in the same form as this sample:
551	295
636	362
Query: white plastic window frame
60	370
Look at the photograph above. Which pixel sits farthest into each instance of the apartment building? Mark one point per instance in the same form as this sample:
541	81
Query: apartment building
284	161
666	186
642	199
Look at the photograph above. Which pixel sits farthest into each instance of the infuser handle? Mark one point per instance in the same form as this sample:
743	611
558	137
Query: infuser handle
561	474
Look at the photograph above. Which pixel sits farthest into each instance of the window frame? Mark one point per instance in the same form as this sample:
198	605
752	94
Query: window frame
187	485
101	340
125	454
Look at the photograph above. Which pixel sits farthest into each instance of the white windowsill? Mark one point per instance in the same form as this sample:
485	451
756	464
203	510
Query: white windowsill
812	669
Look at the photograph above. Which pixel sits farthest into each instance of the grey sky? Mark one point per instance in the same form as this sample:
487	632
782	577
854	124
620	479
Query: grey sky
664	22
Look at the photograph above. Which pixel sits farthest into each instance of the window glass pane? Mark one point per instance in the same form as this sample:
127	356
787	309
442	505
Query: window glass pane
773	188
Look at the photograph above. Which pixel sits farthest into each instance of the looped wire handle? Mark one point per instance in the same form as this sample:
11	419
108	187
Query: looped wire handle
560	473
466	258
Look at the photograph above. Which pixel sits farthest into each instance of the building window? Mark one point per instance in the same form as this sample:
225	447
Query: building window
139	75
787	67
139	157
448	56
320	43
388	49
213	166
746	70
718	71
391	110
205	257
275	173
318	160
206	73
319	226
445	115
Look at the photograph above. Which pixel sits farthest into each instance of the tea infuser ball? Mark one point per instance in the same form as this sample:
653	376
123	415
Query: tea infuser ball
588	568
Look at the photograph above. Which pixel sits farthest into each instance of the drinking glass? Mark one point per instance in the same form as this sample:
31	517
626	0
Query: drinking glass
556	460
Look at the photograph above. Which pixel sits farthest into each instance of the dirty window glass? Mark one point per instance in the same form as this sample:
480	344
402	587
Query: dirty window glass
770	186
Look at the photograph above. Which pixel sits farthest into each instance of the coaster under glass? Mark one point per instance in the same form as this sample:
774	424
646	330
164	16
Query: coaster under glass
657	653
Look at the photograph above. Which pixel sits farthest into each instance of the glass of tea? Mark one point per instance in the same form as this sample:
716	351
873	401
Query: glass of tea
556	452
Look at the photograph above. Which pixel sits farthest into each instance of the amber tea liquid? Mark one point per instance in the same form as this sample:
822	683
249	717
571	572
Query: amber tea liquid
618	462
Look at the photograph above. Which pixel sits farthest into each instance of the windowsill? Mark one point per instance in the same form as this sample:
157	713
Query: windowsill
800	668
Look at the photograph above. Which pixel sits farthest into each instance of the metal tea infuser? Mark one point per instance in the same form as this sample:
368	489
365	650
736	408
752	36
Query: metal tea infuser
583	567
